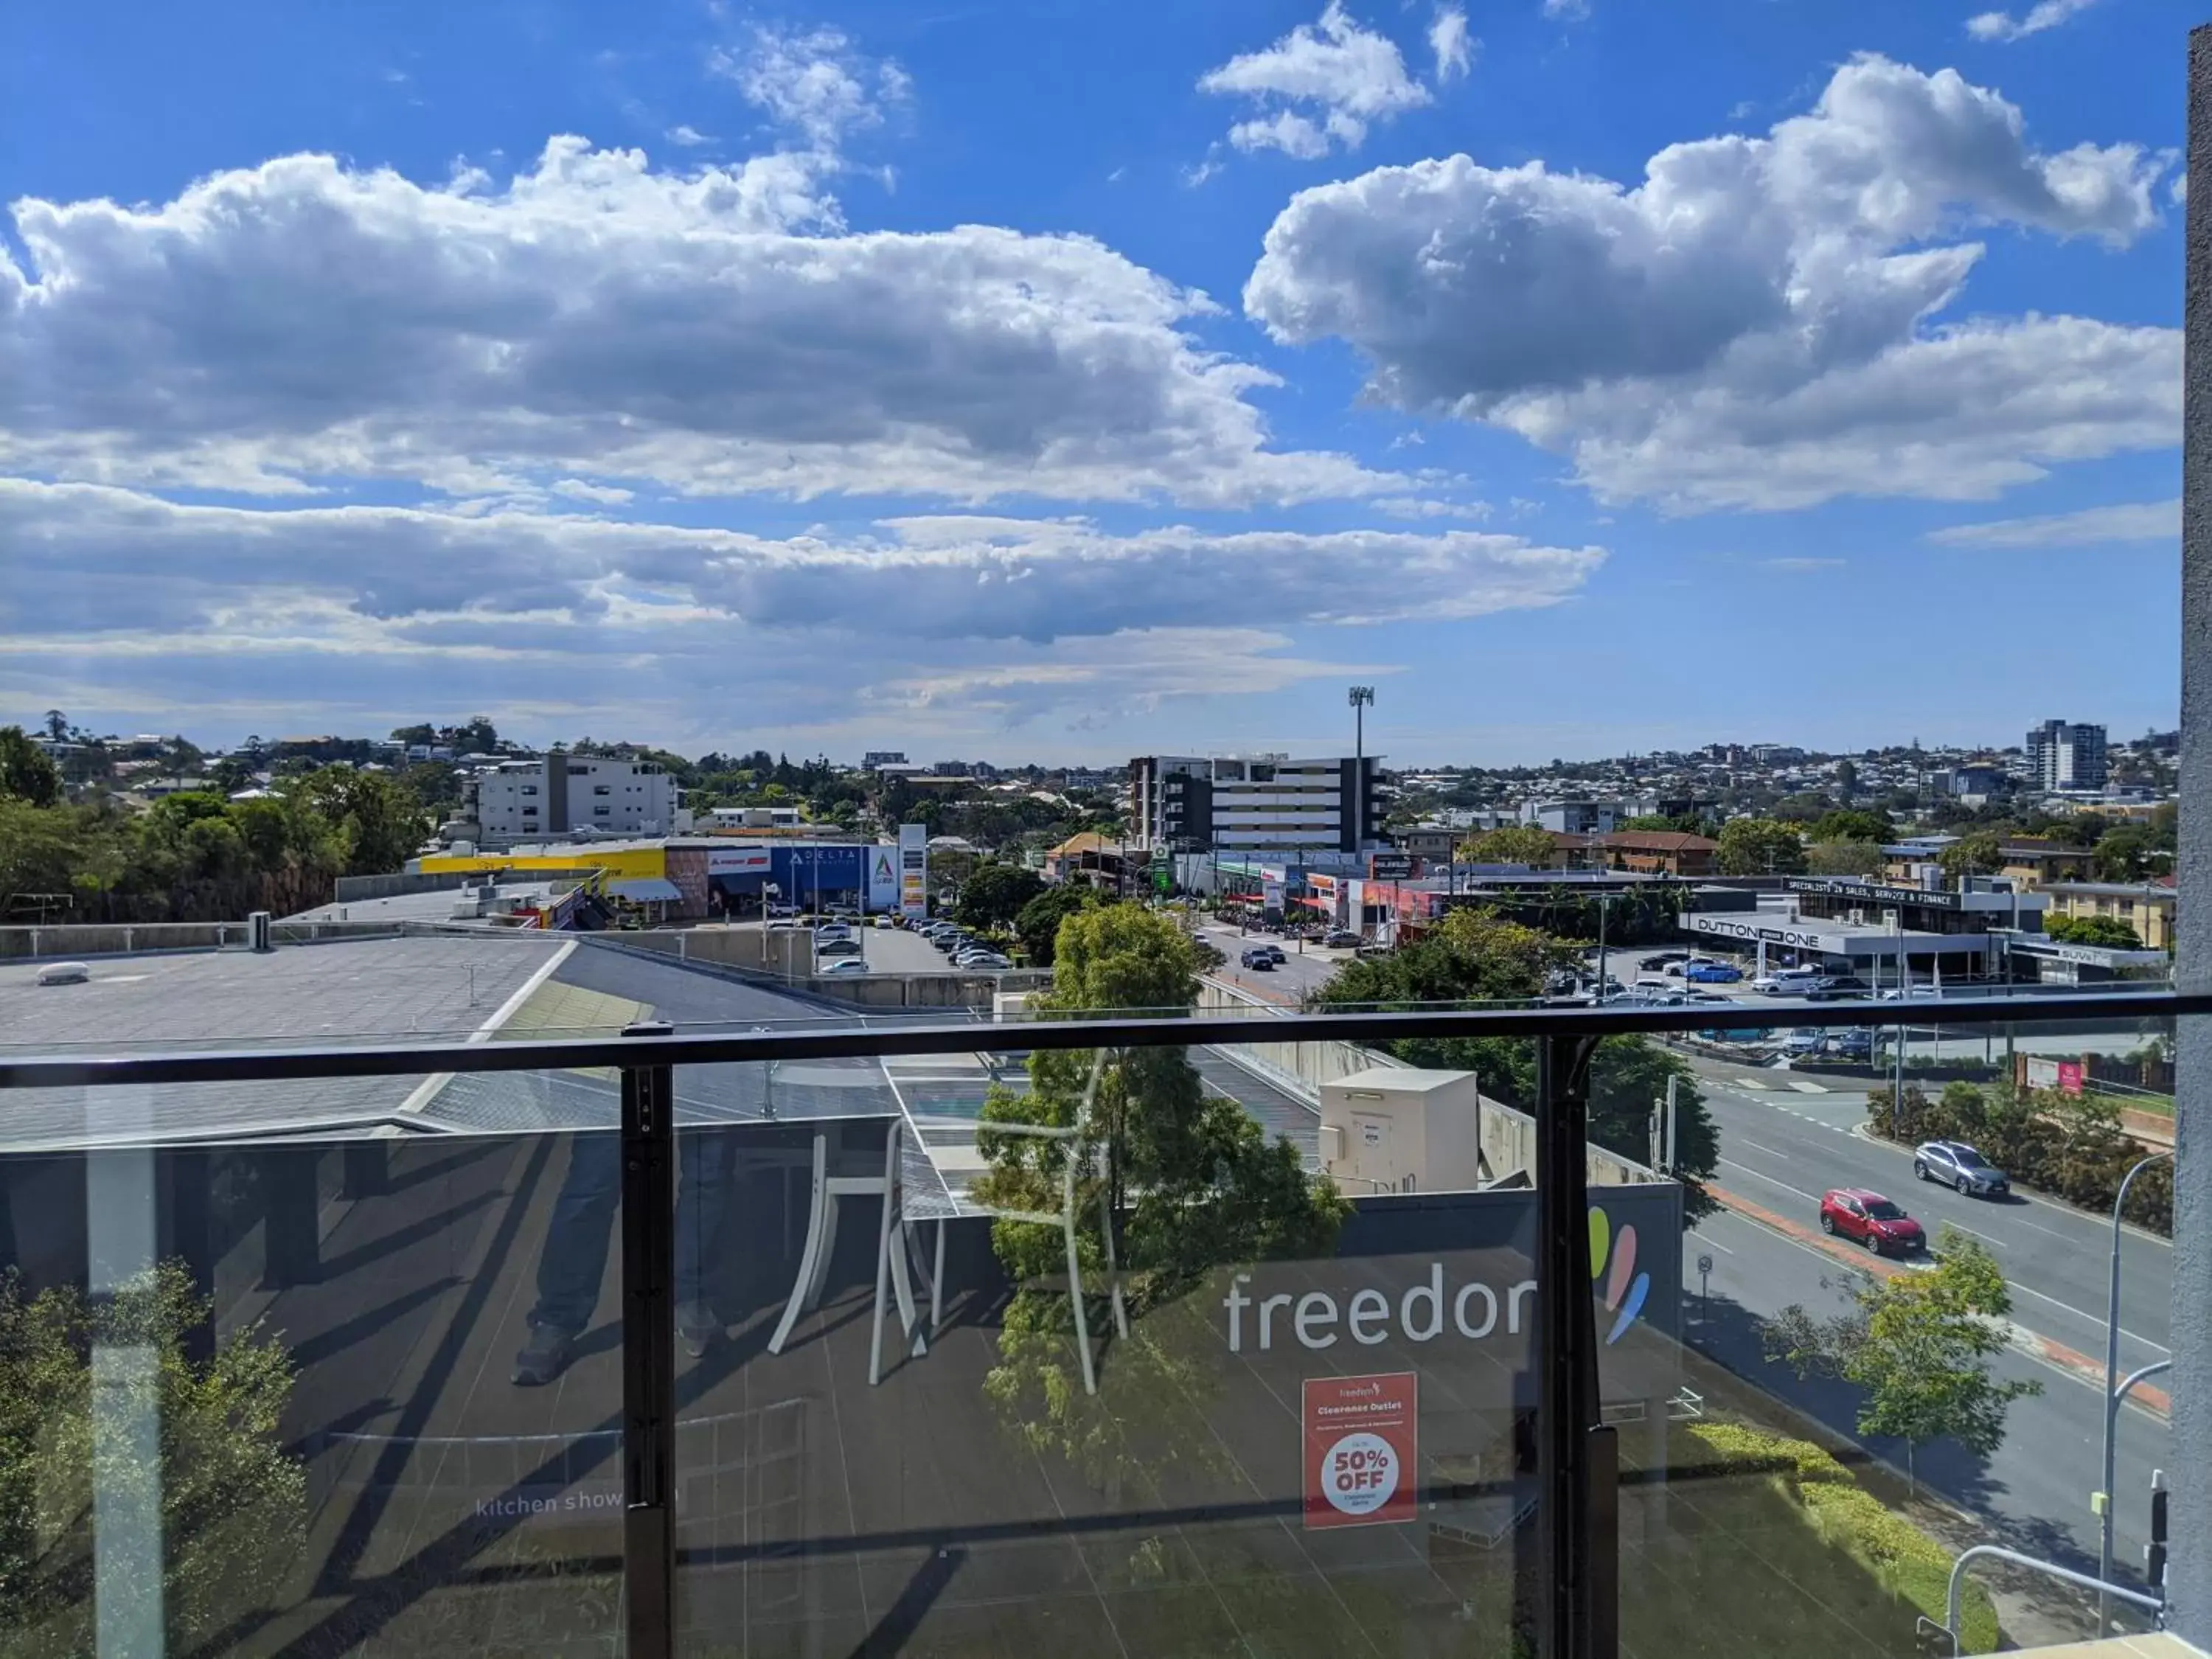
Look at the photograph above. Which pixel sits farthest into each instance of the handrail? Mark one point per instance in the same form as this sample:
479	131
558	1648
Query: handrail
831	1042
1955	1596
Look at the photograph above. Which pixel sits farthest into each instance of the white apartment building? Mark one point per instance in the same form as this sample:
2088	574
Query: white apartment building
1268	804
2064	755
563	794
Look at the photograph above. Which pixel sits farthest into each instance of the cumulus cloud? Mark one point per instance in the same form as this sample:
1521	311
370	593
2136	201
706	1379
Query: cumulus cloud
2002	26
1321	83
1453	45
2127	521
713	332
1752	324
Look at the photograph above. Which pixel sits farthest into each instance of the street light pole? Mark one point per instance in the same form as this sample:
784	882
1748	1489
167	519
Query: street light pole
2111	1401
1362	698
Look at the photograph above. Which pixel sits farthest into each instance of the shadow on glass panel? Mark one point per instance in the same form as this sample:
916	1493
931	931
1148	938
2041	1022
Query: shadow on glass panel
266	1398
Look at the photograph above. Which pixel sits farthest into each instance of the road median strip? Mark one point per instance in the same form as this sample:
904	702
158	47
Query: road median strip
2032	1343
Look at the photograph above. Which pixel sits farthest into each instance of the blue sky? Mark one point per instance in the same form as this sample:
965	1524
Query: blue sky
1066	381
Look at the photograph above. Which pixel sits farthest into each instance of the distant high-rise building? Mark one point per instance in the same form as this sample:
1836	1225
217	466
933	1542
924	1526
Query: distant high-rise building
2064	756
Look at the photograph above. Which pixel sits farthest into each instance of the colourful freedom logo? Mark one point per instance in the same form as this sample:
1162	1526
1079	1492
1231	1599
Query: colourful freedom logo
1612	1260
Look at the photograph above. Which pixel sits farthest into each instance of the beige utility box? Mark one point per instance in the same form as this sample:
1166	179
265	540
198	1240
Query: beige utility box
1398	1129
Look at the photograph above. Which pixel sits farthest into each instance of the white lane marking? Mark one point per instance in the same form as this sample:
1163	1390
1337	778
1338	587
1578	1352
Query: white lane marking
1756	1146
2093	1319
1730	1164
1704	1237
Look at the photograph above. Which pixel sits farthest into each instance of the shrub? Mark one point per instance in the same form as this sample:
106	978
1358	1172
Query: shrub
1905	1561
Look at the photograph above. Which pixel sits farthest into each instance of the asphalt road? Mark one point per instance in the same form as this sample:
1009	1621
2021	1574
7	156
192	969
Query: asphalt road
1302	972
1782	1146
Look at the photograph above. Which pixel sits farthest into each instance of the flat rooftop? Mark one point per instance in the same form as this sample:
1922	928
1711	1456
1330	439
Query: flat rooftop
436	905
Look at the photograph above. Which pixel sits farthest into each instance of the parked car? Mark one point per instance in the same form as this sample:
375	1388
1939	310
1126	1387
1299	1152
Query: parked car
973	960
1712	973
1841	982
838	947
1341	938
886	921
1786	982
1664	959
1804	1040
1851	1045
1869	1218
1958	1166
1698	993
1837	993
1259	958
844	966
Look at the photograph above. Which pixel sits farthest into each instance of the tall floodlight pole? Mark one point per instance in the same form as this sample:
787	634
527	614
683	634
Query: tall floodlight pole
1362	698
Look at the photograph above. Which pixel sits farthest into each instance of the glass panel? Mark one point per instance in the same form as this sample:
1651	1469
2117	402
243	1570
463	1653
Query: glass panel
1898	1291
1302	1426
274	1396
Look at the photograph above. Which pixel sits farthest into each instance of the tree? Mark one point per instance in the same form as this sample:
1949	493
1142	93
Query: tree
2126	853
1844	858
994	895
380	821
56	724
232	1499
1847	779
1920	1345
1978	854
1851	826
1039	922
1519	844
39	852
2107	931
1760	846
25	771
1194	1186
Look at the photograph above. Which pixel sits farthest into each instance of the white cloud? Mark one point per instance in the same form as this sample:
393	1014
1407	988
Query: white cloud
1751	324
1344	74
1427	507
82	553
1001	618
2129	521
687	137
1798	564
812	81
1452	44
275	327
1570	11
2002	26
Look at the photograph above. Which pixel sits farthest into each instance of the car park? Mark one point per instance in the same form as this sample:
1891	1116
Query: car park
1866	1218
1959	1167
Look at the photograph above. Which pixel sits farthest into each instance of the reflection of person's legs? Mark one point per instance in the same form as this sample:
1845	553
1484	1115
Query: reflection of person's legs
575	1257
703	1159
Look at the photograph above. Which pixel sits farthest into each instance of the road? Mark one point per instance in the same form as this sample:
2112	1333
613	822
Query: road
1302	973
1782	1146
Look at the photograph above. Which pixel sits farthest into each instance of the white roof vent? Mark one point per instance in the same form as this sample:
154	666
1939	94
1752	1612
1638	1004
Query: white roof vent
65	973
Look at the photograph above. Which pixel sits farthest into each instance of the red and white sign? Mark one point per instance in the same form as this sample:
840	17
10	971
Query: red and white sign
1362	1451
738	860
2069	1076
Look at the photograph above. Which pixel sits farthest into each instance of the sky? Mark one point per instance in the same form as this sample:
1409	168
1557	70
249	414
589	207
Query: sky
1052	380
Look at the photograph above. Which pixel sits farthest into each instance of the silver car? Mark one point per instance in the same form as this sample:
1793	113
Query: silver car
1958	1166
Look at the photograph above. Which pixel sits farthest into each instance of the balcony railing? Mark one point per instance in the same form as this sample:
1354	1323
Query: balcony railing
712	1479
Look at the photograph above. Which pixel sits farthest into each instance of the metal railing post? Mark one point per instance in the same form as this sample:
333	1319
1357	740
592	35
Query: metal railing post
1576	1459
648	1274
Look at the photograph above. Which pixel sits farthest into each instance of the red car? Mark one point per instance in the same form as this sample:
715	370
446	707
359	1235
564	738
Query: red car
1872	1220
